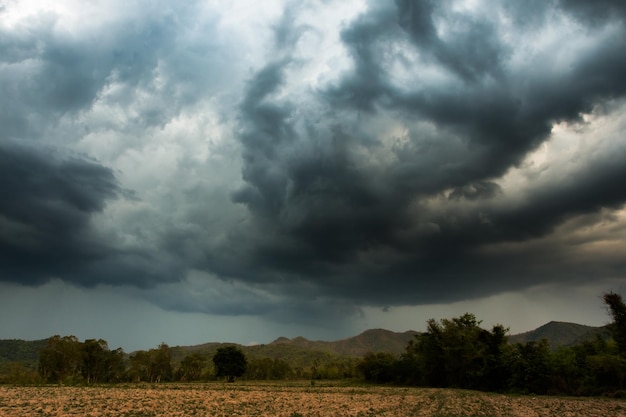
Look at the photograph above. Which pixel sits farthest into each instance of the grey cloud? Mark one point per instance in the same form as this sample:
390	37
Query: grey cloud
597	12
478	190
48	198
588	191
472	51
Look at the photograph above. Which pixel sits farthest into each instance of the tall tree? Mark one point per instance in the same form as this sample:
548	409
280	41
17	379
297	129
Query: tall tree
191	367
115	368
617	309
99	364
95	357
161	360
531	367
60	359
154	365
378	367
140	366
459	353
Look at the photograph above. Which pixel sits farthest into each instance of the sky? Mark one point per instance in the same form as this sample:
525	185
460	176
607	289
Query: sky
236	171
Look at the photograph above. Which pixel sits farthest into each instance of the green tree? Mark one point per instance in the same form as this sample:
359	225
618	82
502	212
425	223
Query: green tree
95	356
191	367
154	365
161	361
268	369
61	359
100	364
115	366
569	370
608	373
617	309
531	367
140	366
378	367
16	372
495	374
457	353
230	362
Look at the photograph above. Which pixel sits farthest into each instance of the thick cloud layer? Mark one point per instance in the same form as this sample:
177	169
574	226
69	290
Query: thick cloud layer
306	159
45	207
48	201
334	203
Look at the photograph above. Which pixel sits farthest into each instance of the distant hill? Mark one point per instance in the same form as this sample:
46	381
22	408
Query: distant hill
561	334
21	350
295	356
301	352
375	340
24	351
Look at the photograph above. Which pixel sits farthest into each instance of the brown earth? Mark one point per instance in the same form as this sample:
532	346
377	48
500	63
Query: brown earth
288	400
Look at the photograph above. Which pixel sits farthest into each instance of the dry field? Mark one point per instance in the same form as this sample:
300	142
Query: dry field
289	400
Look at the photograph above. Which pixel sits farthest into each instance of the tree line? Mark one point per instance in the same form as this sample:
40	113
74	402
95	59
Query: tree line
66	360
459	353
455	352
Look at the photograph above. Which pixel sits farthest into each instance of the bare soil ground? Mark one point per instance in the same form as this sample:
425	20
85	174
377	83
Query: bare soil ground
289	400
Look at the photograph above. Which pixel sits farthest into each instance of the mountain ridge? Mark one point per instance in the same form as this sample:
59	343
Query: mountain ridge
371	340
559	333
301	351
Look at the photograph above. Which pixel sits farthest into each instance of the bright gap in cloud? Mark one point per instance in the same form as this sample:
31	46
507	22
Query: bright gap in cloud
572	147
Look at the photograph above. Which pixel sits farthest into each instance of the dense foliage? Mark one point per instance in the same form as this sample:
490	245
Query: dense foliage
459	353
154	365
230	362
65	359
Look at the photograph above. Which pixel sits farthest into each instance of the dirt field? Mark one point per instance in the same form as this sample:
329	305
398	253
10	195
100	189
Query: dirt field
289	400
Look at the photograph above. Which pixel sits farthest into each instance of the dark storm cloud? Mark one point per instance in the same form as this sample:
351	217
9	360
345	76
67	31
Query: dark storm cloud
597	12
381	182
323	215
48	202
475	191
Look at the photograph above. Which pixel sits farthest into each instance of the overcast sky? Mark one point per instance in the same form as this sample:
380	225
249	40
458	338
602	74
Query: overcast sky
237	171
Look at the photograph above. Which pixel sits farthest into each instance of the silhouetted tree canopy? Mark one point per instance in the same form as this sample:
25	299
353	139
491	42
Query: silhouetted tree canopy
230	362
617	308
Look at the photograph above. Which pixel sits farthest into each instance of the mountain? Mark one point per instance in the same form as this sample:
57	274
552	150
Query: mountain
561	334
374	340
301	352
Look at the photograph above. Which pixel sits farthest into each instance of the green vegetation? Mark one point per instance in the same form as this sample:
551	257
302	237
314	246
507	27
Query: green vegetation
66	360
561	334
19	360
458	353
154	365
455	353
